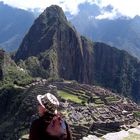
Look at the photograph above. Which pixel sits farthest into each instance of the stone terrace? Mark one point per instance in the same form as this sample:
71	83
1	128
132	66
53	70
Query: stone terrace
101	112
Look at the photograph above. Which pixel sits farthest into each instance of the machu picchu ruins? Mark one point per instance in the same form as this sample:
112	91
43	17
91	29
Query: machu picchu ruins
90	110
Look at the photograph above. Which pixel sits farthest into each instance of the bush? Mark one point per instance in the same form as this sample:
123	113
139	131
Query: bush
16	76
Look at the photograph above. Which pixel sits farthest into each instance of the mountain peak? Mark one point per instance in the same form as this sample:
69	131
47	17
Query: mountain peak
48	29
54	11
53	14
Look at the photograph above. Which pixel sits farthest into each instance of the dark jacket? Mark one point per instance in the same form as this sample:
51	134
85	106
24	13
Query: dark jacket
38	131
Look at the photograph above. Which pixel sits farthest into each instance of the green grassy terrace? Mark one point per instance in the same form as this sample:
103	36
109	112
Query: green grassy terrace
137	114
68	96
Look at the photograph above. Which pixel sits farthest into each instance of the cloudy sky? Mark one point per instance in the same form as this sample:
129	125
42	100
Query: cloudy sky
125	7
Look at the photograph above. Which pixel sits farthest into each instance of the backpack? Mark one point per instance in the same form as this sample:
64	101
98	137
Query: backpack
57	128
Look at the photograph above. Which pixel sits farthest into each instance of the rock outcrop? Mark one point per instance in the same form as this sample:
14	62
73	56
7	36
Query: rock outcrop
1	63
53	48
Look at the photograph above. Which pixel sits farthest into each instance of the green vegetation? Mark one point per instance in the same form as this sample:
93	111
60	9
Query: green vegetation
53	63
137	114
16	76
33	66
76	92
95	97
111	98
11	73
68	96
36	66
99	101
1	57
81	92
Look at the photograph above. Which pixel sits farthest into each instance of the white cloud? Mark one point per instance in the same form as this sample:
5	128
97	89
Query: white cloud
67	5
109	14
125	7
106	15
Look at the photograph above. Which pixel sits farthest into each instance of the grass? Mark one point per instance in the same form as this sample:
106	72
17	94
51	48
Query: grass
99	101
109	99
68	96
81	92
95	97
137	114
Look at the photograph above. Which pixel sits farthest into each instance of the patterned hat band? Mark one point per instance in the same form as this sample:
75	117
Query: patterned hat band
49	101
48	105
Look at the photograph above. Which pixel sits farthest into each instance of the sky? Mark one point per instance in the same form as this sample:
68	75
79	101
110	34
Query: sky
128	8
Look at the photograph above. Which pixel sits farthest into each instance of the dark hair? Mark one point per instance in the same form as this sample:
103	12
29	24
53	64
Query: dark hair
48	116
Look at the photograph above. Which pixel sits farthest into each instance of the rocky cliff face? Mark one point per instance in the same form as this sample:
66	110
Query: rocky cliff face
1	63
53	48
57	41
123	33
116	70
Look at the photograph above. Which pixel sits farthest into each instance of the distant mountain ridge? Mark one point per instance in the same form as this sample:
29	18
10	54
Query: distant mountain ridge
53	48
121	32
14	23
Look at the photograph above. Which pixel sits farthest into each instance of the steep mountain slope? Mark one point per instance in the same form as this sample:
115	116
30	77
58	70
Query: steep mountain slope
122	33
10	73
56	43
117	70
14	23
12	78
1	64
53	48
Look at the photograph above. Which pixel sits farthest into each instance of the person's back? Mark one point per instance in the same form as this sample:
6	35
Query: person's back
50	126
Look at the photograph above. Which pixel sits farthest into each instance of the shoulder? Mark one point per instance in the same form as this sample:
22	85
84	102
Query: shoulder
37	122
